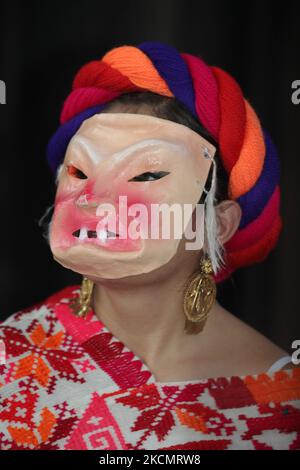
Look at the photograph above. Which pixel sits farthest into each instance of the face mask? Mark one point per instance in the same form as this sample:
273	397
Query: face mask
115	164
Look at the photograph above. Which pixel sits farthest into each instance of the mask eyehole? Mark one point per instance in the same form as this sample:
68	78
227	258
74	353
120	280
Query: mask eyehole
76	172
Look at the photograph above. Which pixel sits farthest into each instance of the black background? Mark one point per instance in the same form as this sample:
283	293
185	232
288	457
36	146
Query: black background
43	44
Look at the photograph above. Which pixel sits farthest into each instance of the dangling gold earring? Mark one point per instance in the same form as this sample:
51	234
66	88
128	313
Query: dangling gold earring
82	304
199	297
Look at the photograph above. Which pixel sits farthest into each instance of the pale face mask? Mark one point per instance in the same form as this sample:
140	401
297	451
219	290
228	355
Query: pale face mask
145	160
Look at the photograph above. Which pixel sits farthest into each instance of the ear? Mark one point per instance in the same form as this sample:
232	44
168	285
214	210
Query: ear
228	214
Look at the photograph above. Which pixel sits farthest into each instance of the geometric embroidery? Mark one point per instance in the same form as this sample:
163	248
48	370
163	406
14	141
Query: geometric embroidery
97	429
68	383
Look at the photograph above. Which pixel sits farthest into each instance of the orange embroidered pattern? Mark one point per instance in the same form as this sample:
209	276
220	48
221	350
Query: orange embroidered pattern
68	383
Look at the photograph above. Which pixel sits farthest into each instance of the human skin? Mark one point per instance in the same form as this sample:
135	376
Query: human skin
144	310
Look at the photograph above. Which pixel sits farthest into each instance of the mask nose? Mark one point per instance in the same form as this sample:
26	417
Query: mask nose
104	210
88	200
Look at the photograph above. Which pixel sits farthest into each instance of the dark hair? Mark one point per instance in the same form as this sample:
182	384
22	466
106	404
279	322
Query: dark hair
170	108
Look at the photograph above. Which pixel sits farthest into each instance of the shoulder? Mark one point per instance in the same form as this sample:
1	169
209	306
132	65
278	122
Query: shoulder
39	309
30	327
248	347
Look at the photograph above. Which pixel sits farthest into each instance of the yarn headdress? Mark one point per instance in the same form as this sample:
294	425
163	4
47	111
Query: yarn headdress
216	100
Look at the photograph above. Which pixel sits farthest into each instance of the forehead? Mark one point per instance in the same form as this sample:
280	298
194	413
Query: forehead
113	132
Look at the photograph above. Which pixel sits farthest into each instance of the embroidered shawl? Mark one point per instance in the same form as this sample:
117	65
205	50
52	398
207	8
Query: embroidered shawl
68	383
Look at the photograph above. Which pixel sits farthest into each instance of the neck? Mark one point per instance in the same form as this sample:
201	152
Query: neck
147	318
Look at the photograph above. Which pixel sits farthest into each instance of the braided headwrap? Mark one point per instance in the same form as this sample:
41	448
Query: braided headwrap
216	100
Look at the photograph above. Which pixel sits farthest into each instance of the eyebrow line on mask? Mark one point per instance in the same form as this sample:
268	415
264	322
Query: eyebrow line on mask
129	151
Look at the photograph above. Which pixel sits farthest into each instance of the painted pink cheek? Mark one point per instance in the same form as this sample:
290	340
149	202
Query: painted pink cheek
142	196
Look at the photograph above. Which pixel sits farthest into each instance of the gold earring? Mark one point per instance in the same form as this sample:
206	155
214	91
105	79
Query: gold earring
199	297
82	304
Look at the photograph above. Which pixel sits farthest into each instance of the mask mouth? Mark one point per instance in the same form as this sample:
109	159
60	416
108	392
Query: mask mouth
83	233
